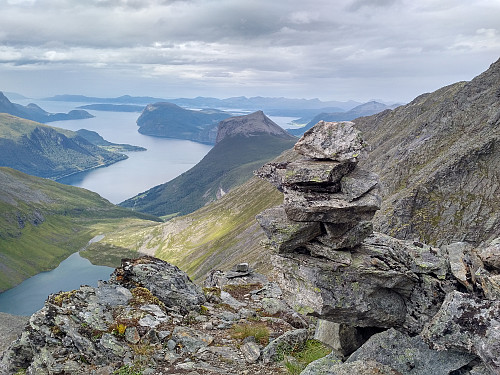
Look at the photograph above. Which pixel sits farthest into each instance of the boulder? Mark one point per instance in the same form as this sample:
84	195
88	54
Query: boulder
341	337
290	341
410	355
339	141
357	183
468	323
166	281
329	366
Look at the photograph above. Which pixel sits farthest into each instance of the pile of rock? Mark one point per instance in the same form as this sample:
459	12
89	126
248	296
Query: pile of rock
397	306
328	201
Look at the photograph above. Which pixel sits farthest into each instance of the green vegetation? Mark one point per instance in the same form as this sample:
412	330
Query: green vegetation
311	351
49	152
42	222
128	370
230	163
257	330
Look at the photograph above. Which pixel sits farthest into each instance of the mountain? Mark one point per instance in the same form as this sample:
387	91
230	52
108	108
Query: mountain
171	121
365	109
439	160
275	106
114	107
244	143
49	152
124	99
35	113
42	222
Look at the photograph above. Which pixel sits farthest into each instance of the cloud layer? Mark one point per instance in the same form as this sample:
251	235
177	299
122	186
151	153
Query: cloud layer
361	49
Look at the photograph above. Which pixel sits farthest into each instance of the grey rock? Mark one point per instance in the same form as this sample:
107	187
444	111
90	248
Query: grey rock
316	174
338	141
190	340
345	236
112	345
357	183
230	300
458	256
351	368
132	335
490	255
250	351
167	282
284	344
330	208
112	294
467	323
171	344
284	234
341	337
317	249
410	355
323	366
242	267
390	283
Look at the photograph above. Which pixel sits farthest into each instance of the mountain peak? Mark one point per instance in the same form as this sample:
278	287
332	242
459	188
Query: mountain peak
248	125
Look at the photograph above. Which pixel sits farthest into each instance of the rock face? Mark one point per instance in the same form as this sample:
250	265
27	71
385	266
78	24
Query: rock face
370	282
438	159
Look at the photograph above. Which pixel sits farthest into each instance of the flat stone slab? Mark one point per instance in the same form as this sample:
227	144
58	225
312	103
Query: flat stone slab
330	208
339	141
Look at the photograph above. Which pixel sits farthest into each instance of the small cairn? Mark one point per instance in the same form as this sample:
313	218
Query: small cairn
328	201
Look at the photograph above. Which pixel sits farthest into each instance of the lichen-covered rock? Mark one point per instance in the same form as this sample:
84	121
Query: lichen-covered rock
284	234
409	355
167	282
340	337
357	183
327	366
290	341
467	323
338	141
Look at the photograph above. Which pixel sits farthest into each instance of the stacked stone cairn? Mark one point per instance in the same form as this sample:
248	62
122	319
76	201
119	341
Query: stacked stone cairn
328	200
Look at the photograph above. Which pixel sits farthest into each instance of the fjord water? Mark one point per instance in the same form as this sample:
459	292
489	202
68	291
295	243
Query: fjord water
164	159
29	296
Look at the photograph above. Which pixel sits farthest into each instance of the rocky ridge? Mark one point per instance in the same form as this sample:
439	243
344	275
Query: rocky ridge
149	318
432	307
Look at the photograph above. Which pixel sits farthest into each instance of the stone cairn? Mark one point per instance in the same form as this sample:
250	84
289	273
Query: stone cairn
328	200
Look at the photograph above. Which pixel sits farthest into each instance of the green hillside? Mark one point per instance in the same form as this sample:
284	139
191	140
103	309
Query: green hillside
49	152
42	222
230	163
217	236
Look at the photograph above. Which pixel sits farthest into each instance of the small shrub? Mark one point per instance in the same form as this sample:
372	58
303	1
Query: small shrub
239	291
312	350
259	331
143	296
59	298
128	370
203	310
118	329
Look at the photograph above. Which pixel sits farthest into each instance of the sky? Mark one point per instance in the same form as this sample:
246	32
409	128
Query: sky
392	50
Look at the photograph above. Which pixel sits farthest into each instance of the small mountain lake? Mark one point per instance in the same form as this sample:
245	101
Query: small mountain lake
29	296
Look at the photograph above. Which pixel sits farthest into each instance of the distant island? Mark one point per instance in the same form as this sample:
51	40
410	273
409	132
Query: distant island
35	113
114	107
171	121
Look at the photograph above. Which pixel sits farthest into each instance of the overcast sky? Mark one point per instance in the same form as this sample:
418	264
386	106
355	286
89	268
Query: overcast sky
329	49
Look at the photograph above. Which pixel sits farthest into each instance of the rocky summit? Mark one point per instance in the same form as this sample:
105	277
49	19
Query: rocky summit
386	305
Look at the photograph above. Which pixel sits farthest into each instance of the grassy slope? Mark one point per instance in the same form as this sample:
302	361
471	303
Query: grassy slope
46	151
42	222
216	236
230	163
